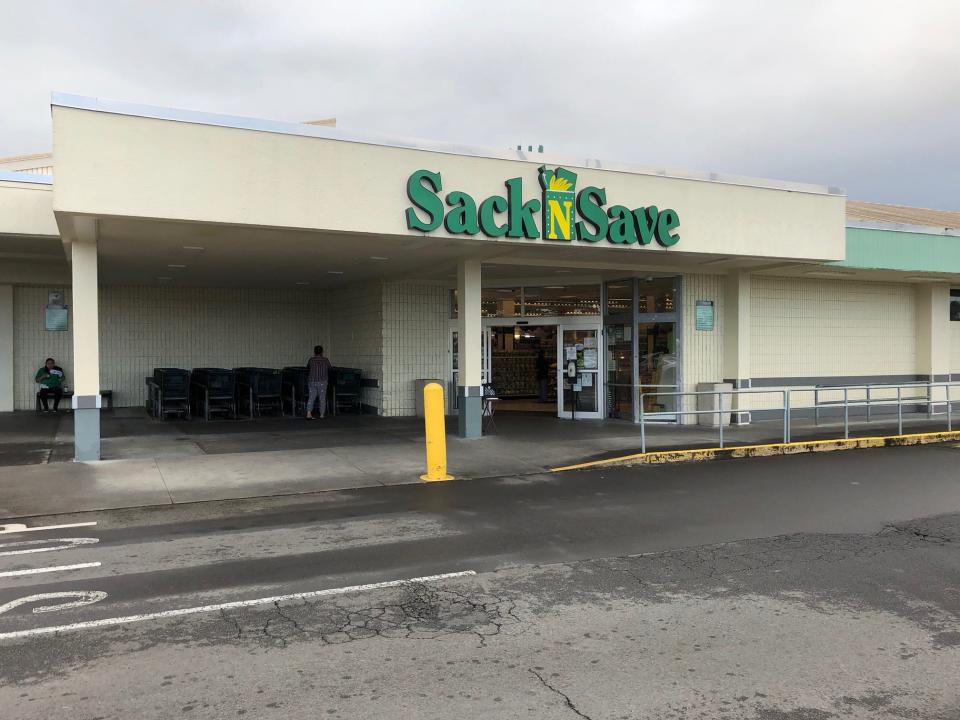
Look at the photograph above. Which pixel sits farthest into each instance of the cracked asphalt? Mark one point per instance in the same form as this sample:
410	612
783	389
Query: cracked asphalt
800	588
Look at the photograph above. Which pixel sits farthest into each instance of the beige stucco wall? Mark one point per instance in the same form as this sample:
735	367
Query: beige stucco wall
26	209
146	327
111	164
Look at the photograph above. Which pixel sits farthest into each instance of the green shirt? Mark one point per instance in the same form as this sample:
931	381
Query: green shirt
52	378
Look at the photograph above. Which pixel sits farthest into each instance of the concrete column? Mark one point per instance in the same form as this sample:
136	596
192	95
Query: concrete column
933	331
6	348
86	352
470	331
736	339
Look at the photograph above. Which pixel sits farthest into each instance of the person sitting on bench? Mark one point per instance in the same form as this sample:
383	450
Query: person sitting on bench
50	377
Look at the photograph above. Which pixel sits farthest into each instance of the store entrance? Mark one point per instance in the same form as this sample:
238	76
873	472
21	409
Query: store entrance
523	367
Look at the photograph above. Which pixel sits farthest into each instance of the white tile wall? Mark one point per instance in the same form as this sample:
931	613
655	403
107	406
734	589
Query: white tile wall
814	328
415	330
955	349
356	333
32	343
146	327
702	350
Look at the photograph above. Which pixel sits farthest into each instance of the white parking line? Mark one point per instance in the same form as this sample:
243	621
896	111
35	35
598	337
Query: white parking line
38	571
19	528
30	545
107	622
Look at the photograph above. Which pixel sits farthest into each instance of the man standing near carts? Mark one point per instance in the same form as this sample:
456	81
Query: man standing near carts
318	375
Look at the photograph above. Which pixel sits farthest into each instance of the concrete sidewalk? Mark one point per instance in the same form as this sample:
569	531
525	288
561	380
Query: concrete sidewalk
152	463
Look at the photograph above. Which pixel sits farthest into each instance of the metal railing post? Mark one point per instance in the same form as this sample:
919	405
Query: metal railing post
899	410
816	406
846	414
949	409
929	401
869	405
719	415
786	416
643	433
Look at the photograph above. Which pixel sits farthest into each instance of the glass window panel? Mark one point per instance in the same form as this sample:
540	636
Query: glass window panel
657	295
500	302
620	297
955	305
561	300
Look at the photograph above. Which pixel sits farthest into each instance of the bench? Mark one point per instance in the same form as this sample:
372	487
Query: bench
106	395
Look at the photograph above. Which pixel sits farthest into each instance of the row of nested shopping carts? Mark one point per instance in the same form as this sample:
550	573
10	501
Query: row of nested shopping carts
244	392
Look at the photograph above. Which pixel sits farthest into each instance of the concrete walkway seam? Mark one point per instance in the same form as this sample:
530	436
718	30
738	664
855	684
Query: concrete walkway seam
661	457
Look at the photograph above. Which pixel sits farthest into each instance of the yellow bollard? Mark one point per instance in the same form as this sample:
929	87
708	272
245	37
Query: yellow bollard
436	431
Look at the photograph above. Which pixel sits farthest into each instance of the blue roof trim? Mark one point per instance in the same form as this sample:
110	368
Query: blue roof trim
118	107
6	176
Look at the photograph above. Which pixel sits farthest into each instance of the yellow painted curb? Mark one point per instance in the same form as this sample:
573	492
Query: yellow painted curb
660	457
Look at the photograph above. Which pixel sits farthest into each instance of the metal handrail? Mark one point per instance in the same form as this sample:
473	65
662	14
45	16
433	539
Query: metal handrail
788	407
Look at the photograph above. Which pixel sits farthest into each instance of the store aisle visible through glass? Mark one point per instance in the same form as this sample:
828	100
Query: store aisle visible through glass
523	367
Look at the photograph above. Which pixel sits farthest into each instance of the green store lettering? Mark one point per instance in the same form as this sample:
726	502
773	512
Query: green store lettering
565	214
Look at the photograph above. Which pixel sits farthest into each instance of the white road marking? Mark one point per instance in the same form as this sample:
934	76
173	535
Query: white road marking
70	542
84	597
19	528
58	568
107	622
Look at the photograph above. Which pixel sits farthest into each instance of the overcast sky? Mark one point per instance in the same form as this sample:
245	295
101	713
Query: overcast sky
863	94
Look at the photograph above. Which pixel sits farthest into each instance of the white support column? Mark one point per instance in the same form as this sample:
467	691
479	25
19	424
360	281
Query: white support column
86	351
736	338
933	331
6	348
470	331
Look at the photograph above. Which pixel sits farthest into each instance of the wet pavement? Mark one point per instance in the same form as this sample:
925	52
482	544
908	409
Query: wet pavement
789	588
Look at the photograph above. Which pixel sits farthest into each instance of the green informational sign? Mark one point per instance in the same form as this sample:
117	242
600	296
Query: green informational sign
559	207
705	315
55	318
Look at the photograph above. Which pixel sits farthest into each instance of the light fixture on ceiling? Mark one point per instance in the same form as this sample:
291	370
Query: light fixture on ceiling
194	248
516	332
176	266
302	282
504	290
164	277
564	271
334	272
378	258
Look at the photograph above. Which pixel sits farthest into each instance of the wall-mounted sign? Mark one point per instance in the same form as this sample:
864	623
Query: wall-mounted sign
704	315
559	207
56	317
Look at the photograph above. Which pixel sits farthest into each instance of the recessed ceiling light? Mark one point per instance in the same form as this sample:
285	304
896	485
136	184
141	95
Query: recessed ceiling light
194	248
176	266
335	272
504	290
163	277
564	271
378	257
302	282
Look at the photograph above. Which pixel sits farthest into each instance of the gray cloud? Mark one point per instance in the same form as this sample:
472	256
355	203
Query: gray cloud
863	94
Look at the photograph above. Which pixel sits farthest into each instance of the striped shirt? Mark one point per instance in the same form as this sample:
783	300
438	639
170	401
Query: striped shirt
318	369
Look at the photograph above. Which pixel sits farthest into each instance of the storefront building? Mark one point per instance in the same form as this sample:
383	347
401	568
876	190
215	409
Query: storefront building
163	238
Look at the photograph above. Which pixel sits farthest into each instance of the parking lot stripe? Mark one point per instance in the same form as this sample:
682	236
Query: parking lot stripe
38	571
19	527
108	622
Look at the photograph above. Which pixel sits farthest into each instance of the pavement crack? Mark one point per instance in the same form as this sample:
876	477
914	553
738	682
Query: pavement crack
566	698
